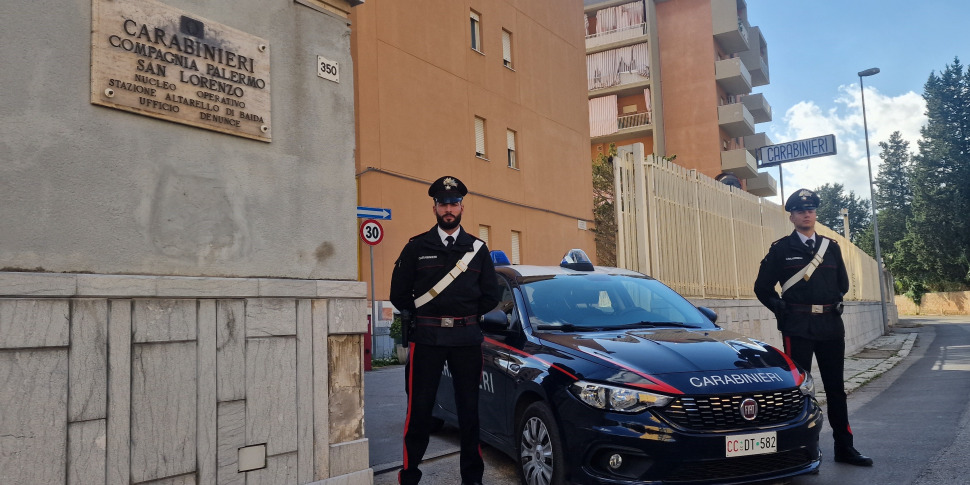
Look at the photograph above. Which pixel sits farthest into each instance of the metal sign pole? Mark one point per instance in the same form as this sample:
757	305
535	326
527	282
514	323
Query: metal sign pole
373	302
781	183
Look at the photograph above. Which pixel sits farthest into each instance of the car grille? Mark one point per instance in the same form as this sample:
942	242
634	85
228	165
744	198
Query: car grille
724	411
740	467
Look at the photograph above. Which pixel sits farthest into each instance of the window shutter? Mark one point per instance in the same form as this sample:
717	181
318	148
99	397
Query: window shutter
507	48
483	233
479	137
516	235
510	145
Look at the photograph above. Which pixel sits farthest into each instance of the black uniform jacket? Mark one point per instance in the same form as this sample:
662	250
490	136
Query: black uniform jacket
828	284
423	262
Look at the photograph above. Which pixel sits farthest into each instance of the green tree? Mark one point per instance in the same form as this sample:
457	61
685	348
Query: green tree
936	247
833	200
894	195
604	210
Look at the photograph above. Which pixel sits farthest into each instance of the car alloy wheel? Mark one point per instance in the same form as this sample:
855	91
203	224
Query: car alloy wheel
540	449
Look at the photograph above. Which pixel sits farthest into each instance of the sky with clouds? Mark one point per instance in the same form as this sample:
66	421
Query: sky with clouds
815	50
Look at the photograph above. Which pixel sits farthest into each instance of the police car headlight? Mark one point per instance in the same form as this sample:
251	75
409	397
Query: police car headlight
621	399
808	385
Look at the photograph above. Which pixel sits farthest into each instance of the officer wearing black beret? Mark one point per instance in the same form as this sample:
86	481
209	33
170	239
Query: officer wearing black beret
443	280
814	280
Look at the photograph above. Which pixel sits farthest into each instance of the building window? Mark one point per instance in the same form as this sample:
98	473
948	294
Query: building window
483	233
510	145
516	253
476	23
507	48
480	137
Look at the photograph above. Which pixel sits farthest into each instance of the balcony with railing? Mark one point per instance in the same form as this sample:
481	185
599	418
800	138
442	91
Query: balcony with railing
740	162
615	25
756	58
632	121
607	125
758	107
730	27
763	185
753	142
612	38
733	76
735	120
621	71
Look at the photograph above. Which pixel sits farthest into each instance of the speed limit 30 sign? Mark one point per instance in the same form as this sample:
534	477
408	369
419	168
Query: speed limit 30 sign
371	232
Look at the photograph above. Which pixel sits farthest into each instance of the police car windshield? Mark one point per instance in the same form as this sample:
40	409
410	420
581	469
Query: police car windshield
607	302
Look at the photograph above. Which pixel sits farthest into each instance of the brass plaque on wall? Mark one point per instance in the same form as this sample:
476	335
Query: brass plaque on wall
159	61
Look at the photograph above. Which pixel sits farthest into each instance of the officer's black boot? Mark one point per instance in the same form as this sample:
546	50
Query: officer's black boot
851	456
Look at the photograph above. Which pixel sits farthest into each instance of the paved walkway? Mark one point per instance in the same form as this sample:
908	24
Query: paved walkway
876	357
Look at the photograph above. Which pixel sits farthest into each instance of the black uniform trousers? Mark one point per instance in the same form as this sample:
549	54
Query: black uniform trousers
425	365
830	355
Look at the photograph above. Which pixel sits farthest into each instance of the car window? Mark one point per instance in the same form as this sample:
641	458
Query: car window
507	302
602	301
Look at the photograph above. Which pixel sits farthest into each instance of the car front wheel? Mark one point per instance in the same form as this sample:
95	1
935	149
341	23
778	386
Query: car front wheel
540	449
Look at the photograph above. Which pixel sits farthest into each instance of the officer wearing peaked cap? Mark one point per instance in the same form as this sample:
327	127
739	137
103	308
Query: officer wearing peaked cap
814	280
804	199
444	279
447	190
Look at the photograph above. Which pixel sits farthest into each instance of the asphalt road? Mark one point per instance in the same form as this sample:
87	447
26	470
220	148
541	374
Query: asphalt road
914	420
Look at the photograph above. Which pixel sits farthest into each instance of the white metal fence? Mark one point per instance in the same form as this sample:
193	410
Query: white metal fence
703	238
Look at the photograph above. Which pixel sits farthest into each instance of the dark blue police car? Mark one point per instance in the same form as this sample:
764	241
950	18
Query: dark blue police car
598	375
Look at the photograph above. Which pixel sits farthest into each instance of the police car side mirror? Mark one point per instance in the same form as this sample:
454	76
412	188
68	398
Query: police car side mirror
495	321
710	314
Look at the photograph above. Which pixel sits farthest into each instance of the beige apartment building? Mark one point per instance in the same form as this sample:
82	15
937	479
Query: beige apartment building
678	76
489	91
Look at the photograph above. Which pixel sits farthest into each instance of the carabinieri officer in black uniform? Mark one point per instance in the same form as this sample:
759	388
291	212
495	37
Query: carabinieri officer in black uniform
445	280
809	311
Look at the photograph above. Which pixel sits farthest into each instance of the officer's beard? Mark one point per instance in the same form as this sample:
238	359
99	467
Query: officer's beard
448	225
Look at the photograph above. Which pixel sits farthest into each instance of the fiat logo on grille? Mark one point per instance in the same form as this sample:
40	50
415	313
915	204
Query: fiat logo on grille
749	409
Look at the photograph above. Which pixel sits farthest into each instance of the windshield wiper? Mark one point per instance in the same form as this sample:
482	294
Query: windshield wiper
565	327
648	324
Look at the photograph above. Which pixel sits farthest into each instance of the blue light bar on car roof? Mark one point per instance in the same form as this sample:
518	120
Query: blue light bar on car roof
577	259
499	258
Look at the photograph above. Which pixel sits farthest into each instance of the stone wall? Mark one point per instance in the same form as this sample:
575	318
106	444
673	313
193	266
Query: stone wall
169	380
863	320
943	303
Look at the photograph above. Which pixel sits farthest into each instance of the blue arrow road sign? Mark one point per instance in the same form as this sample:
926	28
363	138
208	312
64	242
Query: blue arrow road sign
373	213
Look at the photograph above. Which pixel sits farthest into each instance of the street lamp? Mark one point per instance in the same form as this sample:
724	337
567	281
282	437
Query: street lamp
872	200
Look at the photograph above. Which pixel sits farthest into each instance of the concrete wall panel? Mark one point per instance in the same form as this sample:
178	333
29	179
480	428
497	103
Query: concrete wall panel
163	410
86	452
88	361
347	316
271	394
32	446
34	323
230	349
267	317
280	470
232	436
164	320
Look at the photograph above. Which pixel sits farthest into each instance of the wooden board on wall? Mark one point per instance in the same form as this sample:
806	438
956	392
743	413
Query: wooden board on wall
159	61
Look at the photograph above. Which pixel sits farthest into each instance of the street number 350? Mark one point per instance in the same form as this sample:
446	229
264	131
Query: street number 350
328	69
